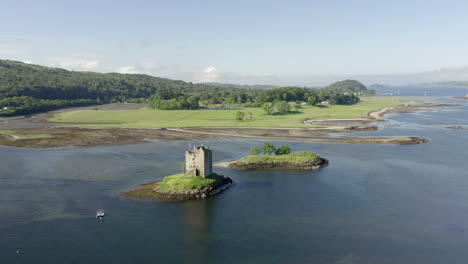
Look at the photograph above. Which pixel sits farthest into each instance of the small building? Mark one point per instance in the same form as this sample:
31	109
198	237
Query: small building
198	162
303	103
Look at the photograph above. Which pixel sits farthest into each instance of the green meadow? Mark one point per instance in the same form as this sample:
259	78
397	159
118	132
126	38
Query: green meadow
179	182
148	118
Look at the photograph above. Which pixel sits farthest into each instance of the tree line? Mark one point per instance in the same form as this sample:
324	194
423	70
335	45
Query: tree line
44	88
268	149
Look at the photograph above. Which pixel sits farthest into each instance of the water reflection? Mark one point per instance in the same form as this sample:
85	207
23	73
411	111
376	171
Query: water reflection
197	221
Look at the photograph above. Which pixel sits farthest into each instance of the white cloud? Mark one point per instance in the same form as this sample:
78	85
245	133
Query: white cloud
148	67
76	64
127	70
208	74
210	70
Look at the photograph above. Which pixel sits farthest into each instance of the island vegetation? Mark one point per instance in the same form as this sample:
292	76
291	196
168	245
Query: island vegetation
179	187
196	181
276	158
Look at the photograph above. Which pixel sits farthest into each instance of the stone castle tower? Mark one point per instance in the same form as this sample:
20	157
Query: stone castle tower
198	162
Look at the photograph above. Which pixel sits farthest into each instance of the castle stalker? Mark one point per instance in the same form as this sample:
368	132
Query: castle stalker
198	162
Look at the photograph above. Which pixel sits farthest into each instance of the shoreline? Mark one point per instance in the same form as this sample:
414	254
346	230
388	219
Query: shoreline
104	136
151	191
241	165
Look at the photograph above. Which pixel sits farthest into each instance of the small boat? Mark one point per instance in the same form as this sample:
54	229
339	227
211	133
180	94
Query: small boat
100	213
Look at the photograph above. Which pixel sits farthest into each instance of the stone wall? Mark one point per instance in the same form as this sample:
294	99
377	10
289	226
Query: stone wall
198	162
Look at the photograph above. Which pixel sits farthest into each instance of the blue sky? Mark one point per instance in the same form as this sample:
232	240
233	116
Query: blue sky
276	42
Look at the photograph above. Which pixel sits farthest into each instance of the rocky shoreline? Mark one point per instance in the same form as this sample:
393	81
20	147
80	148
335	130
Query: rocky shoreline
152	191
275	165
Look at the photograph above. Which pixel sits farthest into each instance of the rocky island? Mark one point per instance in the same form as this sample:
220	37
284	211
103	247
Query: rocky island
198	180
283	158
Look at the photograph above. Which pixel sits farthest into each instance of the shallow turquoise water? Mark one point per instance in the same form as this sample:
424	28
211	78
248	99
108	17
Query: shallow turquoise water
373	204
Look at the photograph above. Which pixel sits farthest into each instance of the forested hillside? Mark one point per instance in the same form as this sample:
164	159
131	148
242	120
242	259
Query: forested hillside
20	79
27	88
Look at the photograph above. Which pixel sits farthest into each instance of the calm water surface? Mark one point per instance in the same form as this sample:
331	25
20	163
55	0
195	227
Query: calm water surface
373	204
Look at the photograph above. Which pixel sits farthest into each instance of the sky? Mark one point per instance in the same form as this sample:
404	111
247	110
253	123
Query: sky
290	42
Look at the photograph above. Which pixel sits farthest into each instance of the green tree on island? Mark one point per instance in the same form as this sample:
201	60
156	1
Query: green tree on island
254	151
268	148
283	107
268	108
283	150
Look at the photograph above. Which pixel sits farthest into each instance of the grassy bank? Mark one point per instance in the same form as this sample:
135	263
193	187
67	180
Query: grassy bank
145	117
179	182
297	157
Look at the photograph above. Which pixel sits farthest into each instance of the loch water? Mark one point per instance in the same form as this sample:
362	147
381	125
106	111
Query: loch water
372	204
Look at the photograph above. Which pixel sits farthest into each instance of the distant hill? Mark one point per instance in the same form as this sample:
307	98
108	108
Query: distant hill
28	88
21	79
377	85
244	86
347	86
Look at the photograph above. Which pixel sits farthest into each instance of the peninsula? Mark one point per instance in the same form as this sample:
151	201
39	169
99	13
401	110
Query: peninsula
283	158
197	181
115	109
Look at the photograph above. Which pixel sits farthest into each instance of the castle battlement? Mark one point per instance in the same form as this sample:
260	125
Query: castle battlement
198	162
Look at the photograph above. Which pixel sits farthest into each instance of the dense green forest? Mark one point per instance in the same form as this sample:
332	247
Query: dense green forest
27	88
43	88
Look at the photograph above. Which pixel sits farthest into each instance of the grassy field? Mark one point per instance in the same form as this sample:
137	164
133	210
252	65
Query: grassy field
15	135
145	117
292	157
179	182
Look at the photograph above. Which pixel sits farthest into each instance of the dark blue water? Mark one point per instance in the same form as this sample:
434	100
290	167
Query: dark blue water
373	204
